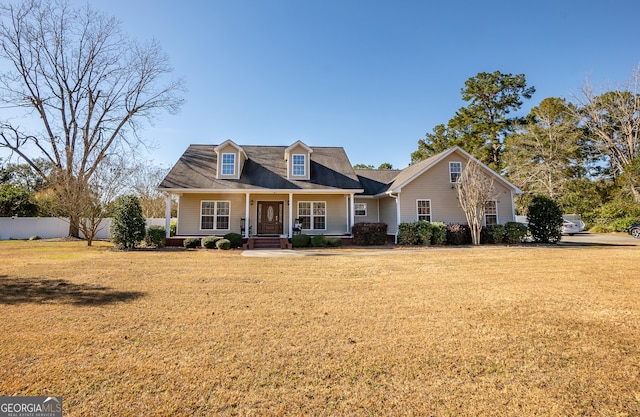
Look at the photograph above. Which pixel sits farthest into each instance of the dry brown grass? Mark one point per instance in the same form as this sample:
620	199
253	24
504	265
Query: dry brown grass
518	332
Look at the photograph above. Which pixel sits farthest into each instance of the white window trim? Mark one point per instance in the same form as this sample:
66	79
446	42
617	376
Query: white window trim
495	202
355	210
311	216
418	209
451	172
222	164
215	214
294	165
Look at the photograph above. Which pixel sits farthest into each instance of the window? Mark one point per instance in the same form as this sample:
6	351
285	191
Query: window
455	170
360	209
214	215
490	213
313	215
228	164
299	165
424	210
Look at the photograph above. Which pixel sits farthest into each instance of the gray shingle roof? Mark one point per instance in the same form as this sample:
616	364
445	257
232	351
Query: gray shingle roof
265	169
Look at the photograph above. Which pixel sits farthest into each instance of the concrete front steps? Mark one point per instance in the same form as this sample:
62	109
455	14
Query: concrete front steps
267	243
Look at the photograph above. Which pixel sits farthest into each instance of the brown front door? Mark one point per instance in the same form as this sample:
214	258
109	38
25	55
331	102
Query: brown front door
270	217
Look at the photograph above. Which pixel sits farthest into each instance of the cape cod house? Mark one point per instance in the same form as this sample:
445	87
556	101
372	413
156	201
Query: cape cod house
276	190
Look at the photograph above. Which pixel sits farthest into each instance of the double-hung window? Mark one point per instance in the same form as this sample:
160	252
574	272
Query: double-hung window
424	210
490	212
228	164
214	215
313	215
299	165
455	170
360	209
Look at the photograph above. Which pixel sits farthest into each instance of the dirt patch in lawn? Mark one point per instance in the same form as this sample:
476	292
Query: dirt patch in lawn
507	332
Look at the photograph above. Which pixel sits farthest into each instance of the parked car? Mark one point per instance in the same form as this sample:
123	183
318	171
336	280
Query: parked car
634	230
570	228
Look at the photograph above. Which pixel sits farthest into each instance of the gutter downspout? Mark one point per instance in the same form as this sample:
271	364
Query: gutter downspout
397	198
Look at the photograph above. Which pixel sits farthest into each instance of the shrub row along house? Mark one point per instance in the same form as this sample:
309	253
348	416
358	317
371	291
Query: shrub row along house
278	190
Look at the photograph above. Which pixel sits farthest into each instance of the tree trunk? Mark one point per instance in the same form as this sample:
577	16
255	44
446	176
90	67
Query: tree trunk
74	229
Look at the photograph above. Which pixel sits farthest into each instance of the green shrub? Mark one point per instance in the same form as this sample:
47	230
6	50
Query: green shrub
155	236
334	242
545	219
173	227
128	226
458	234
601	228
209	242
438	233
366	234
318	241
514	232
423	232
300	241
223	244
235	239
621	225
496	232
191	242
408	234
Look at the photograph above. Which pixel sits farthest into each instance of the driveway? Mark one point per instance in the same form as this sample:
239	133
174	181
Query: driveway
599	239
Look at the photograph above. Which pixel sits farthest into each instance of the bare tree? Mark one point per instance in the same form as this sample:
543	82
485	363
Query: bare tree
475	189
90	87
145	180
614	118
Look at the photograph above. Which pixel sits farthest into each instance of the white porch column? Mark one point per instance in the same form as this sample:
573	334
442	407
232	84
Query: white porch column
290	231
247	197
353	211
346	211
167	216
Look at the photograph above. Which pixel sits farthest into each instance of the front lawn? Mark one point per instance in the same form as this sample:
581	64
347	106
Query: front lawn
474	331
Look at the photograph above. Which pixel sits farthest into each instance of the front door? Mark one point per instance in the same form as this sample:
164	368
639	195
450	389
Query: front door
270	217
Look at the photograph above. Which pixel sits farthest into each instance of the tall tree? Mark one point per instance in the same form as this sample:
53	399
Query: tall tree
614	119
89	85
548	151
482	126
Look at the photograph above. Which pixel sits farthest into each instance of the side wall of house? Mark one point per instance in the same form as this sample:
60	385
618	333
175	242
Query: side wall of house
435	185
372	210
388	214
189	213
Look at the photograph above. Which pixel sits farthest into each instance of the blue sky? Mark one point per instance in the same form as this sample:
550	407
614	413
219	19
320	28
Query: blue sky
370	76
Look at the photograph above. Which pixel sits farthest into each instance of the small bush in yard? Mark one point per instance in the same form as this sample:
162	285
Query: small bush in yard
458	234
173	227
209	242
545	220
300	241
366	234
223	244
407	234
191	242
235	239
155	236
318	241
496	232
423	231
438	233
334	242
514	232
128	226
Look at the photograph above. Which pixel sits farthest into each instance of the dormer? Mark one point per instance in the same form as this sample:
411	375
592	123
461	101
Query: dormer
231	159
298	157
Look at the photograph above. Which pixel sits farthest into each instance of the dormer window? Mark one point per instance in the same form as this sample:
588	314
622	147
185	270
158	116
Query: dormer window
228	164
299	165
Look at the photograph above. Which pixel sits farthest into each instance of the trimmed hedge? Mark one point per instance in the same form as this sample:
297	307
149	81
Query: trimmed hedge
318	241
223	244
334	242
191	242
438	233
209	242
458	234
366	234
300	241
155	236
235	239
422	233
514	232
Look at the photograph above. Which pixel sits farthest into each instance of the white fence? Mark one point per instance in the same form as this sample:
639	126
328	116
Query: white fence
50	227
